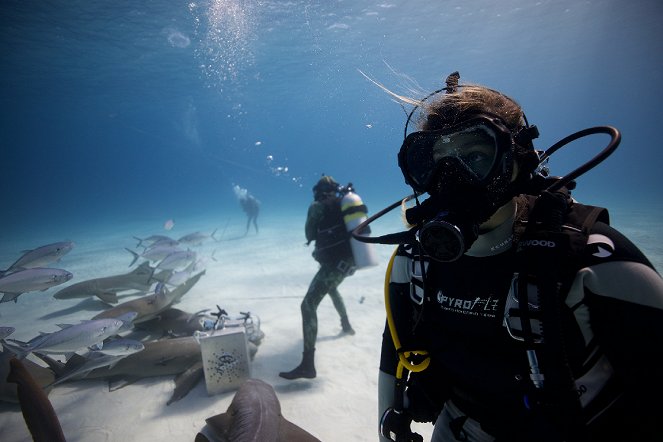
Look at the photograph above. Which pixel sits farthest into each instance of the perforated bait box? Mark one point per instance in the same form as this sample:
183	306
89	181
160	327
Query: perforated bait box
226	361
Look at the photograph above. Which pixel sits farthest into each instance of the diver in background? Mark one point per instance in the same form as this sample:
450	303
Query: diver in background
517	314
325	226
250	205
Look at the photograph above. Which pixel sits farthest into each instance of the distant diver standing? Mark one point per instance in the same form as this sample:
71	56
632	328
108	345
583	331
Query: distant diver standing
326	224
250	206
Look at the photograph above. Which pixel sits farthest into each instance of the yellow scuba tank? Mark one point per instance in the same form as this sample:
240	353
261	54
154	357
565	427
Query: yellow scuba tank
354	213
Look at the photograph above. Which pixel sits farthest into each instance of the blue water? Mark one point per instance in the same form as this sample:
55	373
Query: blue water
126	111
120	115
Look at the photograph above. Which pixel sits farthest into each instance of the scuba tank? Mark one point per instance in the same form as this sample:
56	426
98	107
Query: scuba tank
354	213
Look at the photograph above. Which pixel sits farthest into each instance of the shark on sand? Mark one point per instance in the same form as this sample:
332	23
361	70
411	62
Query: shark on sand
253	415
79	365
106	288
43	376
179	357
148	307
165	357
37	410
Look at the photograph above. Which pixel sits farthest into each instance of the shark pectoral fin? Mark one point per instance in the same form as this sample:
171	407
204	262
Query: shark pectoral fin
74	362
185	381
114	363
10	297
197	315
107	297
143	269
221	423
294	433
117	383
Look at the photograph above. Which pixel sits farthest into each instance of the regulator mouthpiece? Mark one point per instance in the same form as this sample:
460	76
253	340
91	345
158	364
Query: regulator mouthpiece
446	238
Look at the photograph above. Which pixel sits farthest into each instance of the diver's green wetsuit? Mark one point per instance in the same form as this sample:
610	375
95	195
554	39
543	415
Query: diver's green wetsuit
335	261
325	226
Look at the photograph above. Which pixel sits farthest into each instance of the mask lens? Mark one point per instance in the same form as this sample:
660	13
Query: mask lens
475	145
475	148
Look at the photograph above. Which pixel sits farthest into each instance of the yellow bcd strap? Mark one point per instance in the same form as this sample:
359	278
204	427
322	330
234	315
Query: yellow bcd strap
403	361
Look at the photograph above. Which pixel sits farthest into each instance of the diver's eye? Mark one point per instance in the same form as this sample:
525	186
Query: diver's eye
476	157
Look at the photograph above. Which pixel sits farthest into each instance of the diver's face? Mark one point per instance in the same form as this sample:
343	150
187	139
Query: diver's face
477	157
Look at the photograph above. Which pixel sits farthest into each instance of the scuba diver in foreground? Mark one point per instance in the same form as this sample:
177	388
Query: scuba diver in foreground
514	313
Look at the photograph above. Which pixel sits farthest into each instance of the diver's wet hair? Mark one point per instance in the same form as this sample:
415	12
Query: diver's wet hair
456	103
467	101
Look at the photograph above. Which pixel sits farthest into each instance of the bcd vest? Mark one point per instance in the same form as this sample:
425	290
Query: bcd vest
332	242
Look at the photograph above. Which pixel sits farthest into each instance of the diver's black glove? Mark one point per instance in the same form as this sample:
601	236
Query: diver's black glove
395	426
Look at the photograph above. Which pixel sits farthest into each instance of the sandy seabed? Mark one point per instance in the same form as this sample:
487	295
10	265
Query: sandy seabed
266	274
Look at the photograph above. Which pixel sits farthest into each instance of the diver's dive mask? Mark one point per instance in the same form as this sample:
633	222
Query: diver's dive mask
467	170
478	146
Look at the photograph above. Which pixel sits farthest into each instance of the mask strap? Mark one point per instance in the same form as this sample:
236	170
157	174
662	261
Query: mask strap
450	88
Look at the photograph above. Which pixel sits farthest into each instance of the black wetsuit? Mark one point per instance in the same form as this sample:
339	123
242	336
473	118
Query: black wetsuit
614	343
251	207
325	226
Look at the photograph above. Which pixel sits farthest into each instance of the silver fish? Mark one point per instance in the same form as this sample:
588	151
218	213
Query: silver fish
195	238
145	307
177	260
174	323
179	277
121	347
80	365
31	280
148	307
151	239
159	358
166	242
69	339
41	256
128	320
153	254
6	331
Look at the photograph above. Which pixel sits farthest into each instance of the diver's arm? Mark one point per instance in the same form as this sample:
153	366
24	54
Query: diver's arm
313	217
400	308
624	296
386	388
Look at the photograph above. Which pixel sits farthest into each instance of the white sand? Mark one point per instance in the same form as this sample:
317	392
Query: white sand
268	275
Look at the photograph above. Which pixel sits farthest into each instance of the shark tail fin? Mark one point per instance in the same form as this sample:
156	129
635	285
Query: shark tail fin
140	241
